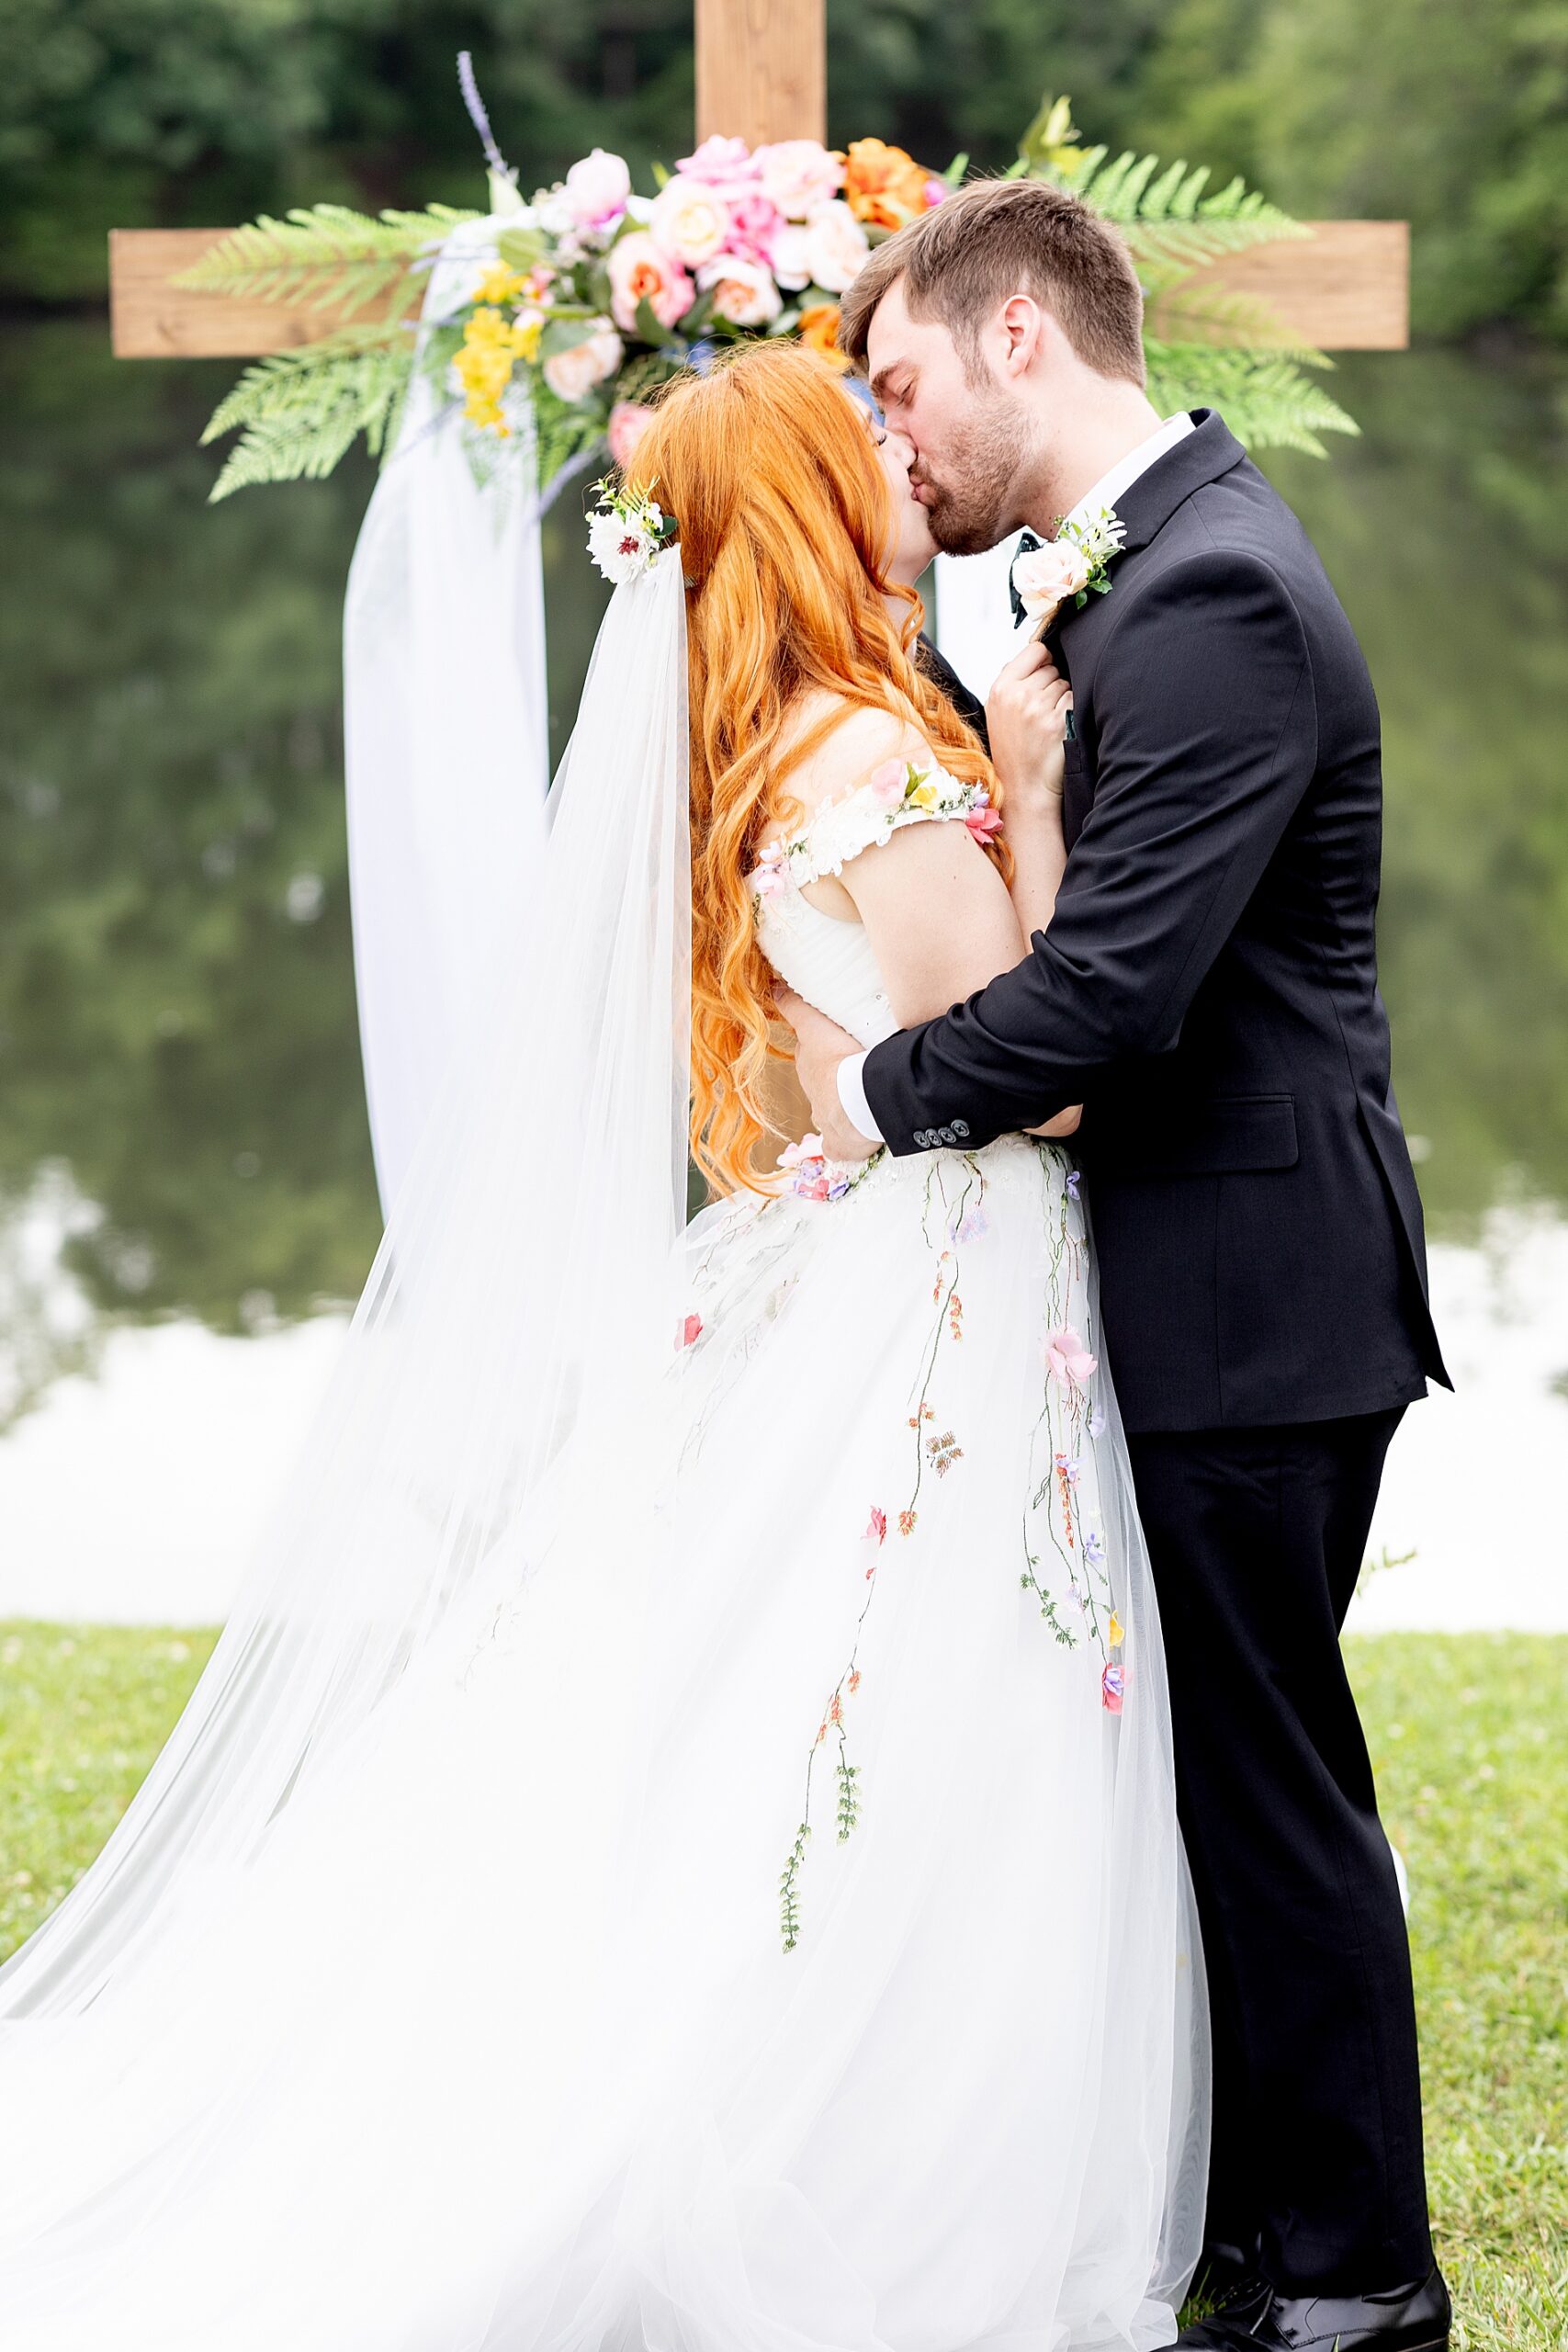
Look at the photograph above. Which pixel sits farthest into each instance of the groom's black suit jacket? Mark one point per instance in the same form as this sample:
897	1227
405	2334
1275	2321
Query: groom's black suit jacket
1208	986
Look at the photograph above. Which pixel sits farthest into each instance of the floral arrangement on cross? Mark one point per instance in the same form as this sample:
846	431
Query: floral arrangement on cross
585	299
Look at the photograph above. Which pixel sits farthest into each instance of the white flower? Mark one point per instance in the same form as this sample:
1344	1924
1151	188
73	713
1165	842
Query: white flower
571	375
743	292
690	221
1046	577
1100	539
596	190
791	255
799	174
836	247
621	545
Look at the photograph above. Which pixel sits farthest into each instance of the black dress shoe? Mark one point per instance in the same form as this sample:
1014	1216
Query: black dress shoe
1401	2319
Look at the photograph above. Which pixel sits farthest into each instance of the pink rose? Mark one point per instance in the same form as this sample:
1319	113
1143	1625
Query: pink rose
571	375
596	190
719	161
1068	1361
887	784
984	823
639	272
743	292
754	223
689	220
1046	577
836	246
799	174
629	420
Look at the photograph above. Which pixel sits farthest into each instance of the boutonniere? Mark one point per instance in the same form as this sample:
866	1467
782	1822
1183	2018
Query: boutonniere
1072	568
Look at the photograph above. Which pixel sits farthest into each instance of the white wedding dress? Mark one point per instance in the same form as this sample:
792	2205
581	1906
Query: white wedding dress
755	1920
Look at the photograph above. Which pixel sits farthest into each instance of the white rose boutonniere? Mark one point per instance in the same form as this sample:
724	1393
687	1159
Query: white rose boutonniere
1071	567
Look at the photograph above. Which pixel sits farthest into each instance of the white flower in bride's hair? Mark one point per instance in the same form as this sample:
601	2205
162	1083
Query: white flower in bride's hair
627	532
1046	577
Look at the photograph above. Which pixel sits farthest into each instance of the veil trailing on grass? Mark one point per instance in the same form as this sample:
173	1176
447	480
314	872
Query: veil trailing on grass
486	1333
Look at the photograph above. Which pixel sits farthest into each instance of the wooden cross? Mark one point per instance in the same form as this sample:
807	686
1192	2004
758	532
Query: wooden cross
762	74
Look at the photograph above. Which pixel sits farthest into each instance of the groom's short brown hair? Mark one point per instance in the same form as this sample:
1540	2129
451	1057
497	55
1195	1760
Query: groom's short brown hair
995	238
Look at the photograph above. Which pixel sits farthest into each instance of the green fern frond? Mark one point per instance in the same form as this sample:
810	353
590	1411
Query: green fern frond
299	411
1204	312
1266	397
325	256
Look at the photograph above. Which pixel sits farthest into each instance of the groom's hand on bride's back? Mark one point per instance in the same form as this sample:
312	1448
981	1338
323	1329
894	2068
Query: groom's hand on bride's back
819	1047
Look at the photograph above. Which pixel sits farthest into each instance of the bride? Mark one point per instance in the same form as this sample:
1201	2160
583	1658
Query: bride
675	1846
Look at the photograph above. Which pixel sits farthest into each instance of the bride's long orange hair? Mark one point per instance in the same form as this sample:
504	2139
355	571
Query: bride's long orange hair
787	520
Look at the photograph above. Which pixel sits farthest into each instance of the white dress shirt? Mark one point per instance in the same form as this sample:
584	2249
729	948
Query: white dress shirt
1105	493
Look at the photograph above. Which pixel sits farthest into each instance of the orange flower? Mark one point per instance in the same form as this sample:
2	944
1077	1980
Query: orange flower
884	186
819	333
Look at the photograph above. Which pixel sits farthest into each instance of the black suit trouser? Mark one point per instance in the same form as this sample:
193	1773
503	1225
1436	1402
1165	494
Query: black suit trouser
1255	1537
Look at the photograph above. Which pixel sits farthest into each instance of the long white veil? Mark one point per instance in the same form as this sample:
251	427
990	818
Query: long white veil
523	1280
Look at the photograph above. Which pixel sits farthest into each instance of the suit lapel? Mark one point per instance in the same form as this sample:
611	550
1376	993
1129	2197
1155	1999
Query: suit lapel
1202	456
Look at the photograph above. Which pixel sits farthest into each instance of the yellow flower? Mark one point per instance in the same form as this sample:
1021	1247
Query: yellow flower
499	284
492	345
924	795
1113	1632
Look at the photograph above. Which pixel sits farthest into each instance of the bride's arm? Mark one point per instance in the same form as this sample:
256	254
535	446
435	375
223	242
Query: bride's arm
1026	716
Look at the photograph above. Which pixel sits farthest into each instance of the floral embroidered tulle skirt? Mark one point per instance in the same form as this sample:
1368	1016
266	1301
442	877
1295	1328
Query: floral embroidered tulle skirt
761	1928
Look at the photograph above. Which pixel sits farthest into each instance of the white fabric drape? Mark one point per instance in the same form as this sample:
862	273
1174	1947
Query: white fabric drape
445	735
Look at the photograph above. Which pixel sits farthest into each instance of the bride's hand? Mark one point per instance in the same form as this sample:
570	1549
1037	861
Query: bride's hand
1026	717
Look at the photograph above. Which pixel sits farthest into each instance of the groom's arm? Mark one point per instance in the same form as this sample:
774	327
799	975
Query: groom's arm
1208	739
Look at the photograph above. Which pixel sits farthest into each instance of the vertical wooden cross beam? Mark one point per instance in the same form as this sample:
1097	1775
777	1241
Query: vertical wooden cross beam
762	70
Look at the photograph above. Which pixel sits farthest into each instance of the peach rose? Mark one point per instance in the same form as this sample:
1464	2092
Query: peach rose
690	221
1046	577
641	272
743	292
573	374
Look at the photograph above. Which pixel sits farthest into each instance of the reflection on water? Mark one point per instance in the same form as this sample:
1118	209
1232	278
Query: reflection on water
182	1127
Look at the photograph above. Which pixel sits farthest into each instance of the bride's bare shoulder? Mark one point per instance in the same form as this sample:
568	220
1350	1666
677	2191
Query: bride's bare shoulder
841	743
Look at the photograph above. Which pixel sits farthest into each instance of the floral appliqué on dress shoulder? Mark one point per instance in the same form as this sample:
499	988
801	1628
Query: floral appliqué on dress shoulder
898	793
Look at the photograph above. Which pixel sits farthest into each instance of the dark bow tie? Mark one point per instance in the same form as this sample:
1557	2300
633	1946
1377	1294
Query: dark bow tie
1027	545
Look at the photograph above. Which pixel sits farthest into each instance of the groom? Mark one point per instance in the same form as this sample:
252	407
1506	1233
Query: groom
1208	989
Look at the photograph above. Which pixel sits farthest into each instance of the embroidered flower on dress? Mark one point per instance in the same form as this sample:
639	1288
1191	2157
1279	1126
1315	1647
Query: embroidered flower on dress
1112	1689
1067	1360
691	1331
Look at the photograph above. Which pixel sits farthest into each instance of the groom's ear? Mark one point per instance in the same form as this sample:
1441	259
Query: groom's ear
1022	326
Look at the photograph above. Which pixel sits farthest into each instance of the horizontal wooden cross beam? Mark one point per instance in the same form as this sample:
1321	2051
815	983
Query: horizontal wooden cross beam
1344	288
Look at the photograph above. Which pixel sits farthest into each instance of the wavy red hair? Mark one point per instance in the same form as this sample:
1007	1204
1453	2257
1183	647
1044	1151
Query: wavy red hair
786	522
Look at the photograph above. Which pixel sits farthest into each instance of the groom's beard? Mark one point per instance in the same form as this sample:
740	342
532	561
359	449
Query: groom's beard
971	499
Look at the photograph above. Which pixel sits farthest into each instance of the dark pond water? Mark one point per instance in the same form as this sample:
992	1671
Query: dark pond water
182	1127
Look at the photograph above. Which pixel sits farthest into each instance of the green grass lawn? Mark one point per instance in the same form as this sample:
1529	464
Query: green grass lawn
1469	1738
